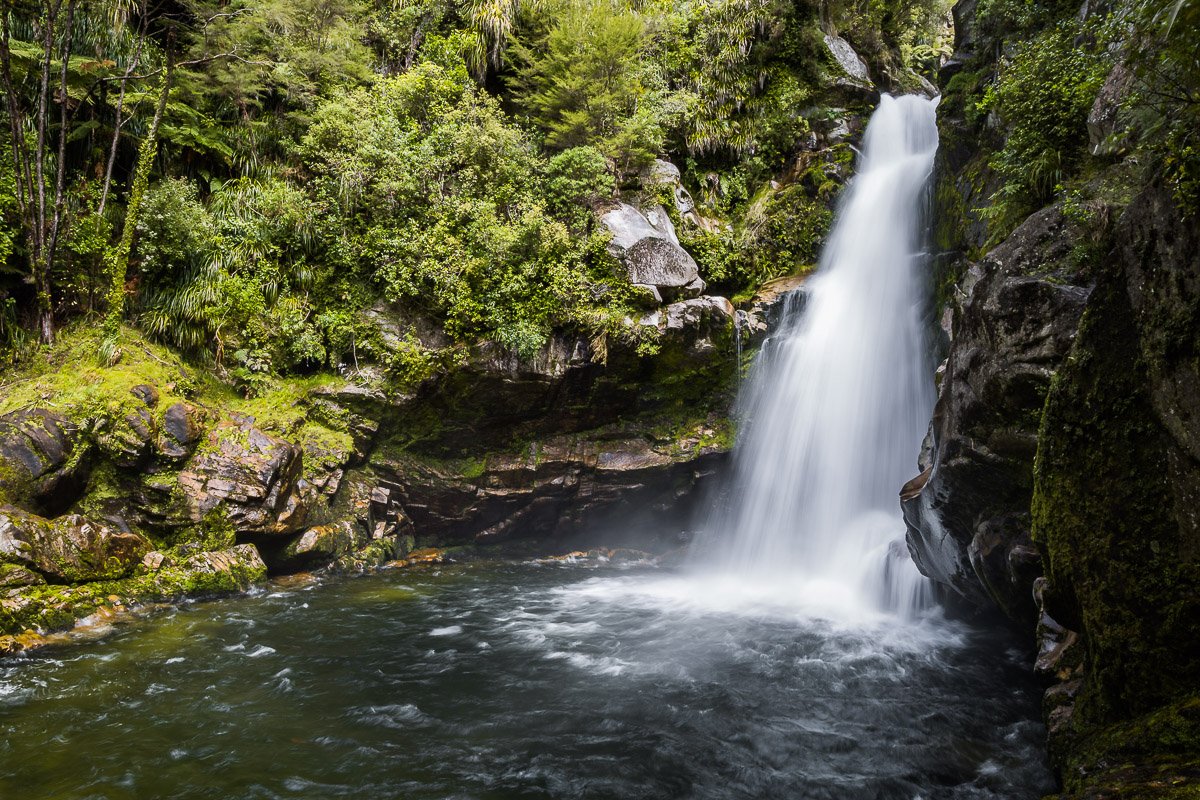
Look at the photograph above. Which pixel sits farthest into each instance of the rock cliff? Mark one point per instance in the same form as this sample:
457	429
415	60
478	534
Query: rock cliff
1060	476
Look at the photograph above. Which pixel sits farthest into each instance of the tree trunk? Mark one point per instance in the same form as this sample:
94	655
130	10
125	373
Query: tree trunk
30	164
118	121
41	254
45	298
109	351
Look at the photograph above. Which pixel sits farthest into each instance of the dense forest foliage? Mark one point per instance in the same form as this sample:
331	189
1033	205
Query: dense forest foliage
241	178
1057	94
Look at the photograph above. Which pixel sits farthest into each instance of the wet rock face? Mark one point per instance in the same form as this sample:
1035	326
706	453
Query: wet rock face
43	459
181	430
545	447
562	486
969	526
68	549
689	326
1118	483
768	306
495	396
645	242
570	386
250	478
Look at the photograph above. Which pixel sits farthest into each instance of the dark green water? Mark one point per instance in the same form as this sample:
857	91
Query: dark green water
521	681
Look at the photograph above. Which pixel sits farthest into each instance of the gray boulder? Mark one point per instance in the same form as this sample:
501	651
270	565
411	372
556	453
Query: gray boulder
697	329
664	173
848	60
645	242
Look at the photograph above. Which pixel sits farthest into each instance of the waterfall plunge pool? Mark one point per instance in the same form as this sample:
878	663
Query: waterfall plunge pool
523	680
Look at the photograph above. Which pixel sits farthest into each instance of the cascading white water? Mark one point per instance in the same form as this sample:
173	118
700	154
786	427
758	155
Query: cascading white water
838	401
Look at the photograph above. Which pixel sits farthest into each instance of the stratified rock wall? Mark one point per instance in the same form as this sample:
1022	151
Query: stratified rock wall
173	491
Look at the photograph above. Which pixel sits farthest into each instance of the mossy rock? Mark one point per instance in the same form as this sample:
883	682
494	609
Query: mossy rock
50	608
1114	498
68	549
44	459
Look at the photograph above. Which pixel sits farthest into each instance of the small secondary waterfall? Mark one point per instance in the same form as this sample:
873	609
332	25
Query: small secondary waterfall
838	401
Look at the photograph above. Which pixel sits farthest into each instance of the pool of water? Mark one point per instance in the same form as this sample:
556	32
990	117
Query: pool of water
523	680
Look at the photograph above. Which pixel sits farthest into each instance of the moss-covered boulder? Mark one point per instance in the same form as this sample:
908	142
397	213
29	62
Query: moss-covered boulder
220	571
43	459
1115	513
321	545
68	549
14	575
46	608
128	440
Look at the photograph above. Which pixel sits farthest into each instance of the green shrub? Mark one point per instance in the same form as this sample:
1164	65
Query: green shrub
576	181
587	84
175	232
1166	102
1043	97
443	203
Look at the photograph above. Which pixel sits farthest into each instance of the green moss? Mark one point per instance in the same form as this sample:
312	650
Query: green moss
215	532
282	408
473	468
324	449
56	607
1152	757
961	93
374	554
106	484
15	486
1103	515
66	379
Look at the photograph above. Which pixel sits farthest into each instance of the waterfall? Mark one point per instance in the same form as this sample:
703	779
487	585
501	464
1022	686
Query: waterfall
833	413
